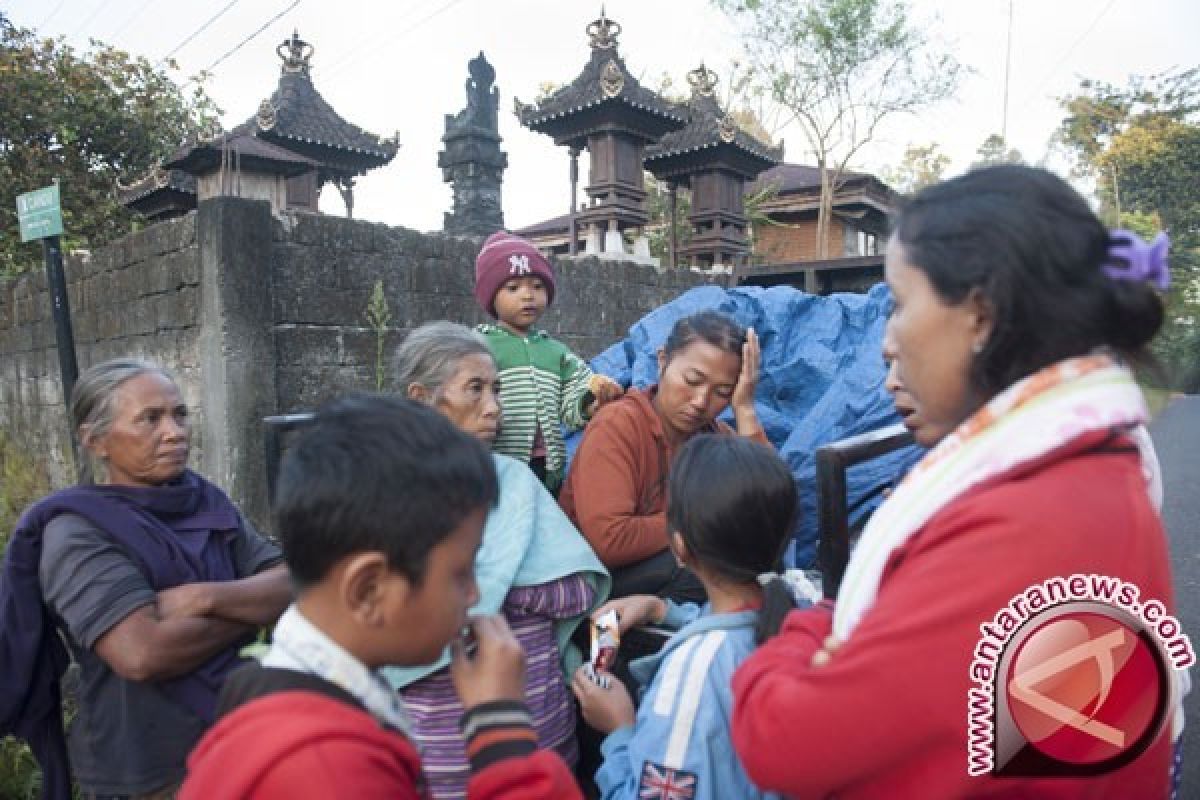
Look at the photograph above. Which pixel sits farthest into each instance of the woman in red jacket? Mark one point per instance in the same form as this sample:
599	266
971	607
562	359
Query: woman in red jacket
1015	315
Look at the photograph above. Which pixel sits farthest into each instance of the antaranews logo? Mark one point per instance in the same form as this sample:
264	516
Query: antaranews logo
1072	677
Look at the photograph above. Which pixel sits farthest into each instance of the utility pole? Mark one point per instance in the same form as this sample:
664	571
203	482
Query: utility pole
39	214
1007	69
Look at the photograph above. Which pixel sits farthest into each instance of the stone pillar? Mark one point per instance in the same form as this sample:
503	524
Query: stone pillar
237	348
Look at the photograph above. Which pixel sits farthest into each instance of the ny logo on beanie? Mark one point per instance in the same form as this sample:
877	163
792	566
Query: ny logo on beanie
519	264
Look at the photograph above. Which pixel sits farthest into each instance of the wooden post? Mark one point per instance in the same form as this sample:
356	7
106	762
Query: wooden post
573	244
671	204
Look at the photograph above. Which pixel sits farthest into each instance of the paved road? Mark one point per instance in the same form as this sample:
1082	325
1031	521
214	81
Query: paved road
1176	434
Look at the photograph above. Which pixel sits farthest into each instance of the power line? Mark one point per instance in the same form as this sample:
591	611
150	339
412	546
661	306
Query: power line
246	41
1050	75
91	17
356	49
198	31
356	54
52	14
1007	70
129	21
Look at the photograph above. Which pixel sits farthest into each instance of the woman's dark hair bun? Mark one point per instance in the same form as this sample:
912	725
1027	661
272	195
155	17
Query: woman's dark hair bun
1035	251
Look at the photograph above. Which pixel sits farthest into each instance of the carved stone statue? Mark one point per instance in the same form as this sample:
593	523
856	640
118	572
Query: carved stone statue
472	161
483	99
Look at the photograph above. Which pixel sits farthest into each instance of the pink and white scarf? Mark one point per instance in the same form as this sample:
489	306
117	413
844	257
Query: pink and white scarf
1032	417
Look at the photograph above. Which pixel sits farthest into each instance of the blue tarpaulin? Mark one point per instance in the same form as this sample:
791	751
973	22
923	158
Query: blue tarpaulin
821	381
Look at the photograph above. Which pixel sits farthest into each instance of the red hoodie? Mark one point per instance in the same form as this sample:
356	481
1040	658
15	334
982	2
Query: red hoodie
300	744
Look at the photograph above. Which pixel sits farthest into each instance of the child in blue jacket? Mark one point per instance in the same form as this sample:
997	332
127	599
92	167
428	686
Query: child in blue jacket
731	511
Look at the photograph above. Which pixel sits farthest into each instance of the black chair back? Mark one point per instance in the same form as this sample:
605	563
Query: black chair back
277	431
833	513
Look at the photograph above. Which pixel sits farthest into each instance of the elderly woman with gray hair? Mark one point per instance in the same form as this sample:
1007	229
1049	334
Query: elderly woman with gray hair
533	565
153	578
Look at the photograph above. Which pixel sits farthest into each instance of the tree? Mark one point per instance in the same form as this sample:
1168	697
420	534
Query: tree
658	207
85	120
921	166
839	68
1141	145
1108	126
995	150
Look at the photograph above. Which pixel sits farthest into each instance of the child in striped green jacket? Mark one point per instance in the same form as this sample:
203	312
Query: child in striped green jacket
543	385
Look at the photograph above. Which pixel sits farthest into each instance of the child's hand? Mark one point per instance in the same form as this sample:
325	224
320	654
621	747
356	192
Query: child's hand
496	670
634	610
604	389
603	709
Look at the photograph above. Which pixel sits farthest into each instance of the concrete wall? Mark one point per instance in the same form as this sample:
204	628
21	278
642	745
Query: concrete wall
260	315
325	268
139	297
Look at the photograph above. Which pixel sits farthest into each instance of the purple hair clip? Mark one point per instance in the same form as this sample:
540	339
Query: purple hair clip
1132	259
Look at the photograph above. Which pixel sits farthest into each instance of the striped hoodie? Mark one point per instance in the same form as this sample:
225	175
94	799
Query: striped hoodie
542	385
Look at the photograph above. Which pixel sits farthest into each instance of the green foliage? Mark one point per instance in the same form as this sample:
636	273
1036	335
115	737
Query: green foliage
22	480
1141	145
840	68
658	229
86	120
920	166
378	317
20	778
995	150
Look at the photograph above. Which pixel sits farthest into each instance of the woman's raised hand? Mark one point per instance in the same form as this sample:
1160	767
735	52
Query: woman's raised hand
743	394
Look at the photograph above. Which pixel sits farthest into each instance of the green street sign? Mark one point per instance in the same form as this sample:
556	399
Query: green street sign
39	213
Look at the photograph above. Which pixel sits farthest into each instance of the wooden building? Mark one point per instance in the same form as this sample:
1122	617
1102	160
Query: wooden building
606	111
241	165
861	205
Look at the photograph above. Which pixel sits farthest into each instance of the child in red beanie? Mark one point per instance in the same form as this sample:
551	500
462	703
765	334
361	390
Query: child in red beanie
543	385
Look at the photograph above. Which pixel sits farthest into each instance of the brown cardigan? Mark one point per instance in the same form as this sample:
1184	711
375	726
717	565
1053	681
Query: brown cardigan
616	489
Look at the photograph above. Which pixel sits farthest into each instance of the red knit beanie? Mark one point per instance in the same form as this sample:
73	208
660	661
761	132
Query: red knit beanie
504	257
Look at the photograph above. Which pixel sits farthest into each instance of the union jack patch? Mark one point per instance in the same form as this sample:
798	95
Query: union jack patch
663	783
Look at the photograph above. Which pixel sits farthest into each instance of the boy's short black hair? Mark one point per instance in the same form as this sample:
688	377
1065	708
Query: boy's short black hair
377	473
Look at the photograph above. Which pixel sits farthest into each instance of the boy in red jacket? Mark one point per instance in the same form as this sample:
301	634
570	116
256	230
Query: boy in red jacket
380	509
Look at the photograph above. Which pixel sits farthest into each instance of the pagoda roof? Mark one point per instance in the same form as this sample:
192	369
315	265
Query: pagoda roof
604	95
298	118
792	178
251	152
157	181
711	139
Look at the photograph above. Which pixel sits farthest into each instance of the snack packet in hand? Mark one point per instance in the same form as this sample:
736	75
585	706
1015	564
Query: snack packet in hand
603	681
606	638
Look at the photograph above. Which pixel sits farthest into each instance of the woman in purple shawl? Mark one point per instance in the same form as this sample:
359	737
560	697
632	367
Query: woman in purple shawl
154	581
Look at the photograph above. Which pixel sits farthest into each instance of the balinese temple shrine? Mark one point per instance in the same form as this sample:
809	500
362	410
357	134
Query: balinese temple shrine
715	159
608	113
297	118
294	120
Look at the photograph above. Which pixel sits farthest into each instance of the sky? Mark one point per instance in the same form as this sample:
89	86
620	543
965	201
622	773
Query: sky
401	65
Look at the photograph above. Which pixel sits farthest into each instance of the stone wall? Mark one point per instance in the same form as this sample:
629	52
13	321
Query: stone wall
139	297
325	268
259	315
